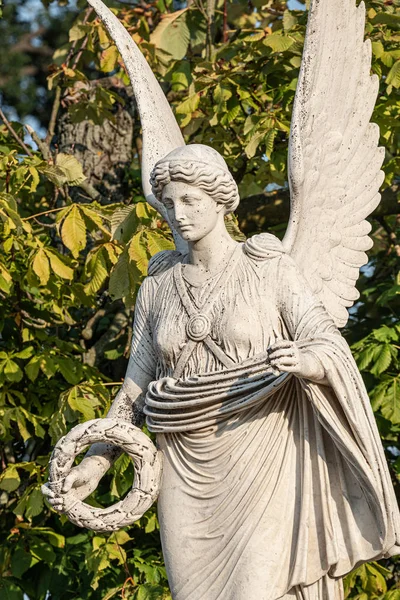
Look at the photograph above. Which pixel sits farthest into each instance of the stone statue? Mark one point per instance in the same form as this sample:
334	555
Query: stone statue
274	481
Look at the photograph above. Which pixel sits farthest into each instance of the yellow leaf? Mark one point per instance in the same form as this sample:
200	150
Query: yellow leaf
58	266
158	242
35	179
41	266
103	35
97	268
137	251
108	59
71	167
73	231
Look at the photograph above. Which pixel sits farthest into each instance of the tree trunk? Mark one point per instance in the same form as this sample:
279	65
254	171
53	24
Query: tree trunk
105	150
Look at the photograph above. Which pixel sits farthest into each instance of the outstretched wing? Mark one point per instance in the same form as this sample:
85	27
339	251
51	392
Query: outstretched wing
334	158
161	133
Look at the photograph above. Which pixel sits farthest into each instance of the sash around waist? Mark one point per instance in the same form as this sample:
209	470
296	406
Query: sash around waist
177	405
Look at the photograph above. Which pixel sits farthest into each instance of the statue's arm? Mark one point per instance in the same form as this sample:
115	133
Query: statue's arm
128	404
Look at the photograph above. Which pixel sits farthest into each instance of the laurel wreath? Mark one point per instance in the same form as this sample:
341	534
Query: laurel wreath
148	469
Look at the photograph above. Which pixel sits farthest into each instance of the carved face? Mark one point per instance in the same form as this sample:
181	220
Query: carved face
192	212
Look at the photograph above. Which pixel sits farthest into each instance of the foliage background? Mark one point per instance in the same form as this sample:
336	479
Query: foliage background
72	257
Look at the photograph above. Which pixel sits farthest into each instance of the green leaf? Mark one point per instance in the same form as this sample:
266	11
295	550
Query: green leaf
386	397
112	593
9	479
151	524
119	285
25	353
269	142
71	167
393	20
251	147
149	592
48	366
82	402
222	93
73	231
378	49
10	591
289	20
393	77
35	179
70	369
34	505
53	173
181	76
121	536
5	278
189	105
22	561
56	539
41	550
12	370
33	367
58	426
278	42
124	223
382	359
78	31
41	266
172	34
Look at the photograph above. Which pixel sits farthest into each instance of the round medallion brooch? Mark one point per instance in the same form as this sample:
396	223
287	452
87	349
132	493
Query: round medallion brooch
198	327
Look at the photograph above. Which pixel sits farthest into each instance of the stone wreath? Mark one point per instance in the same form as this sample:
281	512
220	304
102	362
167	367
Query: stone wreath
148	469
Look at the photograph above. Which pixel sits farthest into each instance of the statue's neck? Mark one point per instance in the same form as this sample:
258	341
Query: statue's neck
212	252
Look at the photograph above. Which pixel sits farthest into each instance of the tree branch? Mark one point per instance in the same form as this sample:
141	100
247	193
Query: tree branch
14	133
53	118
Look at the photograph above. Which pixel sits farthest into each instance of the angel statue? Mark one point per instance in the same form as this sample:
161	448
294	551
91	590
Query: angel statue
274	480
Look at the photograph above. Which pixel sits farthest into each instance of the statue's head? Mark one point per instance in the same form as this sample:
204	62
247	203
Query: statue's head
196	187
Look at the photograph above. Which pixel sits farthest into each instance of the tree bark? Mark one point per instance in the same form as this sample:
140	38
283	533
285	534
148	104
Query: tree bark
104	150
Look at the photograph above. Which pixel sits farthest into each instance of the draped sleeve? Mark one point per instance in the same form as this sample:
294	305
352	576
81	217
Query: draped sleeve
298	305
367	518
142	349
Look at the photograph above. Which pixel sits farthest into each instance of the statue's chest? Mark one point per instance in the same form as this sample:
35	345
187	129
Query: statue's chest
241	318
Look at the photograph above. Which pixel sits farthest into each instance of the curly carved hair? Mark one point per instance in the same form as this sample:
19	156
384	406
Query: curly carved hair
188	166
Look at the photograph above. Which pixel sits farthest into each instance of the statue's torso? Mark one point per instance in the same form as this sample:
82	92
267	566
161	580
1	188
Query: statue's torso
244	316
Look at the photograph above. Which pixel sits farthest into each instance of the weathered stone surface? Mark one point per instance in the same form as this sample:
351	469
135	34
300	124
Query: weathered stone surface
275	483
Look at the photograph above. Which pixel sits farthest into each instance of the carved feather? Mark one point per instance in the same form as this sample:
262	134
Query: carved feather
334	158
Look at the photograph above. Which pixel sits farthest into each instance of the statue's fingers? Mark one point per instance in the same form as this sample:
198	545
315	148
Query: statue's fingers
47	491
290	368
284	363
281	344
282	352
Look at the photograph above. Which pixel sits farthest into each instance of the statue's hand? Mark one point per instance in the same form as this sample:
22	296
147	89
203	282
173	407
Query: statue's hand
81	482
286	356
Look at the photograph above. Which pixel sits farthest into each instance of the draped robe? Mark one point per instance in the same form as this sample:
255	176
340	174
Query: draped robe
273	486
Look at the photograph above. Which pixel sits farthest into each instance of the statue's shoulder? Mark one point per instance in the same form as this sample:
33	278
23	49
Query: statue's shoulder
264	246
162	261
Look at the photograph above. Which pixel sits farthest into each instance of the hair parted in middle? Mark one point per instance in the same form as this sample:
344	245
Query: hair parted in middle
200	166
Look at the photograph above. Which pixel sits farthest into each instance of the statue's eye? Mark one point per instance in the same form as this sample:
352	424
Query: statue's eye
169	205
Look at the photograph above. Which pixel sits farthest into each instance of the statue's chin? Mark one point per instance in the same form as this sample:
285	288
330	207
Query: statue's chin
189	234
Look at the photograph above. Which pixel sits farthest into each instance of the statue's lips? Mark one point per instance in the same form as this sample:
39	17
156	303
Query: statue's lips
184	227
